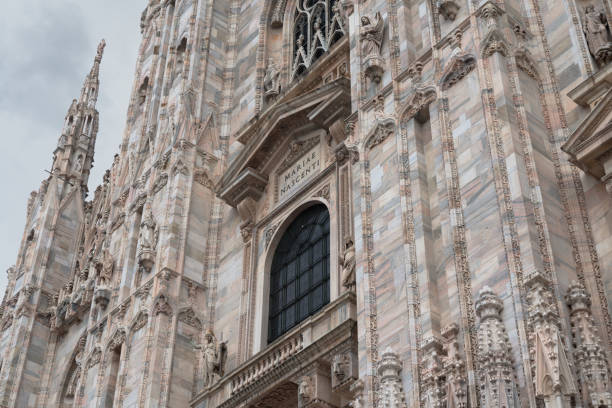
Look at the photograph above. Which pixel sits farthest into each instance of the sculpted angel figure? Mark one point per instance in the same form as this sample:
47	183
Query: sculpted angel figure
371	35
215	354
596	30
348	264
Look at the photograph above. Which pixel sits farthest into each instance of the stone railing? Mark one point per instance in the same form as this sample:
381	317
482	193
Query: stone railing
273	358
311	340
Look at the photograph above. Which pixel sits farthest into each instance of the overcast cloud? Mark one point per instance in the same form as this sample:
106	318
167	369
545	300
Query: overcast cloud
47	49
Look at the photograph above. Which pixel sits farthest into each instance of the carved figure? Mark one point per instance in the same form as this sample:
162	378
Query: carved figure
597	32
372	35
78	165
372	31
147	232
106	272
215	355
305	391
272	80
147	240
348	265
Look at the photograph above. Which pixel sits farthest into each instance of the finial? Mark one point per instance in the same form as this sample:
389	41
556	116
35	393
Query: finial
100	50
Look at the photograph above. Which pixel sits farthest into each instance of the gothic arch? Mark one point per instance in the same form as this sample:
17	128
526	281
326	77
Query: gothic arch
139	322
72	374
116	340
419	100
271	253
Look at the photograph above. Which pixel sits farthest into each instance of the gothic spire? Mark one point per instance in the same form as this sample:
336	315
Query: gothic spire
73	156
89	93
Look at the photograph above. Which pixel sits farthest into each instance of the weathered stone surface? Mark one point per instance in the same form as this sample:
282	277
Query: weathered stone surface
459	150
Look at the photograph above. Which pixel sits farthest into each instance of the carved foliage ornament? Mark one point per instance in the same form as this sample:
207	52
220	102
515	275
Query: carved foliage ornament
421	98
318	25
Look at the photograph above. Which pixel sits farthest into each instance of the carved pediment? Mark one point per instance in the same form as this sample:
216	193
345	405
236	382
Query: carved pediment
591	142
458	67
276	129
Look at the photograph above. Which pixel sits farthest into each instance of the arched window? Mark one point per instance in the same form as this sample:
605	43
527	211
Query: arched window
318	25
299	278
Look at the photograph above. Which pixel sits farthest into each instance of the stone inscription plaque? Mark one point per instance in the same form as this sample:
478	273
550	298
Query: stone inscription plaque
295	176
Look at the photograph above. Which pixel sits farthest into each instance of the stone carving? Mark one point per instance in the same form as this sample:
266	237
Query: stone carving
525	62
494	42
496	376
306	392
269	234
117	340
590	356
449	9
279	13
372	31
454	368
597	32
105	268
147	240
391	393
459	66
272	86
215	355
189	317
140	322
384	125
553	378
160	183
348	262
421	99
340	367
162	306
357	390
432	376
94	357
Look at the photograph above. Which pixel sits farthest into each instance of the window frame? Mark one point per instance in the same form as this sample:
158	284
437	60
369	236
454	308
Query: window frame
285	314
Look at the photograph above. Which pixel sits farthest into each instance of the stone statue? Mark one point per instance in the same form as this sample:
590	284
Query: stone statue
106	272
348	265
597	32
272	80
215	355
147	232
372	31
147	240
371	35
78	165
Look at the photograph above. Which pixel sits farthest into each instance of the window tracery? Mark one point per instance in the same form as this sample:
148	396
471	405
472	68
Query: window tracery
318	25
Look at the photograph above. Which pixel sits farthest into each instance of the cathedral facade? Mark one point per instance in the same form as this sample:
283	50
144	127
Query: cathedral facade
330	203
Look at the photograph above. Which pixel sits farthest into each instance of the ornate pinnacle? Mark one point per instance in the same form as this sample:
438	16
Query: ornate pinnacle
101	47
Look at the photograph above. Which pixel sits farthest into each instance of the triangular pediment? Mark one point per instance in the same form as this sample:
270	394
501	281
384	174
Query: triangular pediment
592	139
285	122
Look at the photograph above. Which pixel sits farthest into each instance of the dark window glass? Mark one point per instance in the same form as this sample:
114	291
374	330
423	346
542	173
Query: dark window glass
299	277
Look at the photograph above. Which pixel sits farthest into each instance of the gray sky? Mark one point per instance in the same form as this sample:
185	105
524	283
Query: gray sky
47	49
